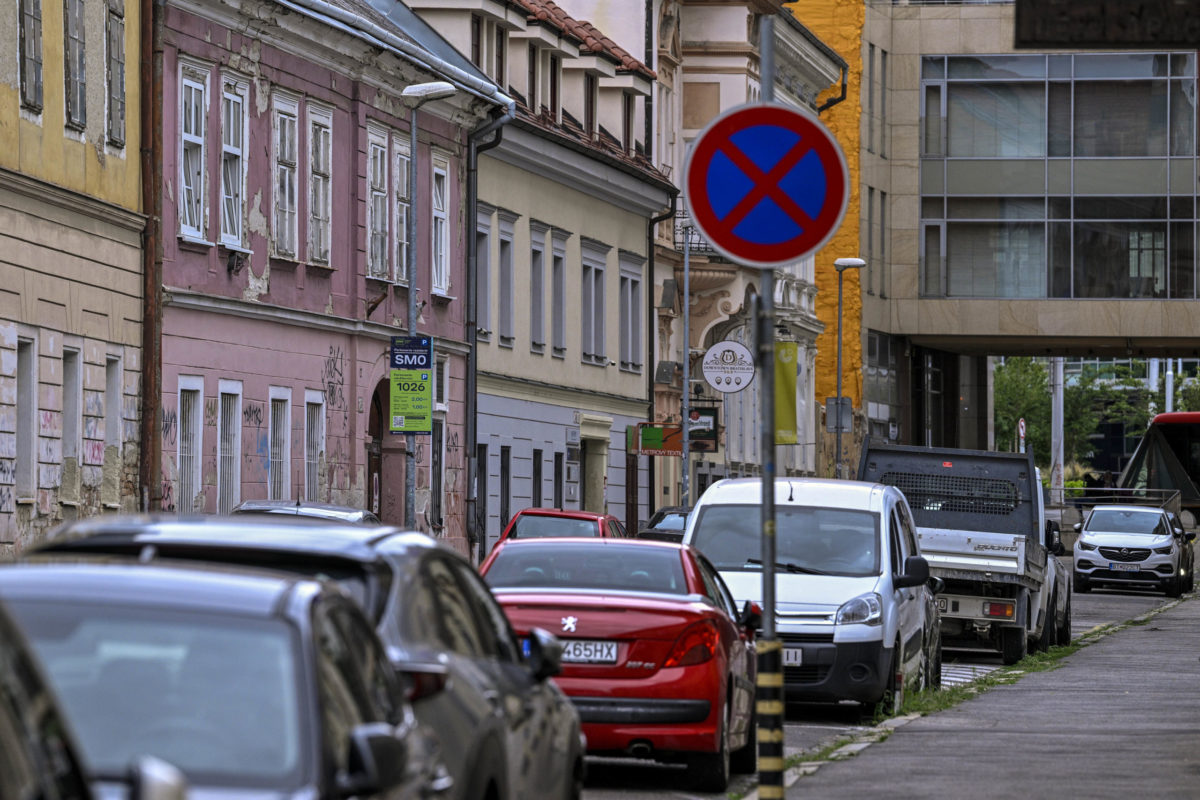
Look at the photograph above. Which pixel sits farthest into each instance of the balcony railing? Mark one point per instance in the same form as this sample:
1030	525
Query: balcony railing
687	233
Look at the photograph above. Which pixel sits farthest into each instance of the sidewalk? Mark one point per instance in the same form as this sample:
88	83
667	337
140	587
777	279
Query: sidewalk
1120	718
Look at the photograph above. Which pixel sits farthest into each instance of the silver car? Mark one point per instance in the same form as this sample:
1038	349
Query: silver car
1140	547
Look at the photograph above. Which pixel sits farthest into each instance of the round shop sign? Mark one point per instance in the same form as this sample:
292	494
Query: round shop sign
728	366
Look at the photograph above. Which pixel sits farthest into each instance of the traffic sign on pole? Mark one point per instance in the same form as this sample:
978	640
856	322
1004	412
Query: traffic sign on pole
766	184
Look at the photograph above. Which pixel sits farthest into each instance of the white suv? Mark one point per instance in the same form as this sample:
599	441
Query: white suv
854	604
1134	546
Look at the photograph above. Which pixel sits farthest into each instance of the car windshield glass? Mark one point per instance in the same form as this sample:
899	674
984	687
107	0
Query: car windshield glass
671	522
588	566
1111	520
826	540
537	526
217	696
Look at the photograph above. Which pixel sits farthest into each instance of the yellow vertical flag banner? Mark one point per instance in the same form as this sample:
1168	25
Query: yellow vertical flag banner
785	393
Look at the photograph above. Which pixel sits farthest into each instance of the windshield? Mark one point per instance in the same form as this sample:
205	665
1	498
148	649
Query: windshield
824	540
675	521
536	526
1108	520
217	696
588	566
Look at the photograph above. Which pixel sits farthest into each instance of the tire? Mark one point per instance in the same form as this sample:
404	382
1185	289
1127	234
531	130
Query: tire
744	760
933	664
1082	584
1174	587
886	705
1064	623
709	772
1013	645
1189	584
1049	636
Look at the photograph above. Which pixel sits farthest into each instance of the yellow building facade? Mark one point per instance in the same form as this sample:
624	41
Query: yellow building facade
71	228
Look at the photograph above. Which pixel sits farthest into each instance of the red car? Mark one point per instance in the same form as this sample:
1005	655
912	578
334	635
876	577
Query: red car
542	522
656	657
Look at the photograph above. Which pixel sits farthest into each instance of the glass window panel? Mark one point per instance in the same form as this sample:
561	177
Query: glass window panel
932	122
1182	208
1059	66
933	67
1183	64
931	266
1121	119
1120	207
996	120
997	67
1060	259
1120	65
995	259
1119	259
1060	208
1183	260
1183	118
996	208
932	208
1059	105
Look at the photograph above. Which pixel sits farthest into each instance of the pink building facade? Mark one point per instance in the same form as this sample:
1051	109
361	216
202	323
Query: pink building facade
285	262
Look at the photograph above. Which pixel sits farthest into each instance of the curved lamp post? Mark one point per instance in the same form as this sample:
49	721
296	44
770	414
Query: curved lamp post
416	94
842	264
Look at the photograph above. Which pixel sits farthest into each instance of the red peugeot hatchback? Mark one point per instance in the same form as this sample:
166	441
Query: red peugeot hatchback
656	657
533	523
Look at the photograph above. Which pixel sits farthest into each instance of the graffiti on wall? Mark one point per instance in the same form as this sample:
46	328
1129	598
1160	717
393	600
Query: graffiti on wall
252	414
170	426
333	378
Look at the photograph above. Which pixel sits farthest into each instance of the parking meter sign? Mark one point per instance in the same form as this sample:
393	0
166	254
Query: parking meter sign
411	385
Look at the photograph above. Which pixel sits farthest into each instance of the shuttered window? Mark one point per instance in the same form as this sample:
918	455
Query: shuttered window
31	54
116	72
74	65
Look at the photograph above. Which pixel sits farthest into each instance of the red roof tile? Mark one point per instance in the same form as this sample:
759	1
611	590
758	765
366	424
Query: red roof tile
590	38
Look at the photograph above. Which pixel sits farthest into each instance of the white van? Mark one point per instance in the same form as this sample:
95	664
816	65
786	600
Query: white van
854	603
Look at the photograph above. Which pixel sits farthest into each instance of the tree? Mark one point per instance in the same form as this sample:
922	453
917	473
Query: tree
1021	389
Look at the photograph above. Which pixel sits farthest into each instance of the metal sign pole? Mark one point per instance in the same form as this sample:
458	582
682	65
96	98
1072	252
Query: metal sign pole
769	701
686	409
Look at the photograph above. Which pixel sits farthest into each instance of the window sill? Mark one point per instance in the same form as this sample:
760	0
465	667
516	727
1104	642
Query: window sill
69	503
284	262
235	248
25	501
194	243
319	269
442	298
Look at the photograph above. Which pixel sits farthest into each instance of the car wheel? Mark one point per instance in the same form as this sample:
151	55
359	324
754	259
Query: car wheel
575	779
709	772
1082	584
1064	623
933	663
1190	582
886	705
1050	629
1013	645
744	760
1174	586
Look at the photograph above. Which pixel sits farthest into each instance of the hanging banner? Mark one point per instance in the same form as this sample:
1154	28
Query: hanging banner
785	393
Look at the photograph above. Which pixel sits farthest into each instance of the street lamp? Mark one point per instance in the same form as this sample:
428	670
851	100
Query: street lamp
416	94
842	264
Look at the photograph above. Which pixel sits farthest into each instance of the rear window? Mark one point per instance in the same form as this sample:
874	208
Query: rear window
834	540
536	526
583	566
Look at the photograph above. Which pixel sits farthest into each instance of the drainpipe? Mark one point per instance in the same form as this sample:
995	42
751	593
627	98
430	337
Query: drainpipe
651	338
150	100
476	533
833	101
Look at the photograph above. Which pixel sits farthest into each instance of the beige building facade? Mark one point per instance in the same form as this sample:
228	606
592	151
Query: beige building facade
70	264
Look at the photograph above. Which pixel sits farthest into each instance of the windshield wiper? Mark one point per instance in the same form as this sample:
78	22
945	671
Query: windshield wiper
790	567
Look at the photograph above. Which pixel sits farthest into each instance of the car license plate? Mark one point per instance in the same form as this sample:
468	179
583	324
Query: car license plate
941	604
1124	567
589	652
792	656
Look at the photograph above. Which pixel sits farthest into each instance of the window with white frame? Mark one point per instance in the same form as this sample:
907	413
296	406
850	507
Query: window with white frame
234	92
115	72
30	62
591	331
591	88
537	287
320	183
401	163
229	446
193	115
279	439
191	400
440	235
627	113
558	294
314	442
483	271
74	64
505	280
285	111
437	443
631	312
27	419
531	78
377	204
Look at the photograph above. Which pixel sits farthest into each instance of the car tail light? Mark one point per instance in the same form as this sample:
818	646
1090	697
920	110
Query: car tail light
998	610
697	644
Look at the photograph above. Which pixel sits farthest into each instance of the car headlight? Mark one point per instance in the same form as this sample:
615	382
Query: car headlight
1164	551
1082	545
866	609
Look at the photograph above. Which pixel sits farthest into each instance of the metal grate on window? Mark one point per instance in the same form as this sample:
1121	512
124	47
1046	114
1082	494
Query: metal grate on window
313	445
227	464
278	440
189	401
955	493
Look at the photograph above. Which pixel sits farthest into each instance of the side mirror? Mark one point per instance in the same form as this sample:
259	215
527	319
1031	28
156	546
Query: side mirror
152	778
1054	537
1190	536
1078	526
417	679
937	585
377	762
751	616
545	654
916	572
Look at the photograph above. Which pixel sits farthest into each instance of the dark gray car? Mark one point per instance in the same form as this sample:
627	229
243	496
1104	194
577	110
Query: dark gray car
446	634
